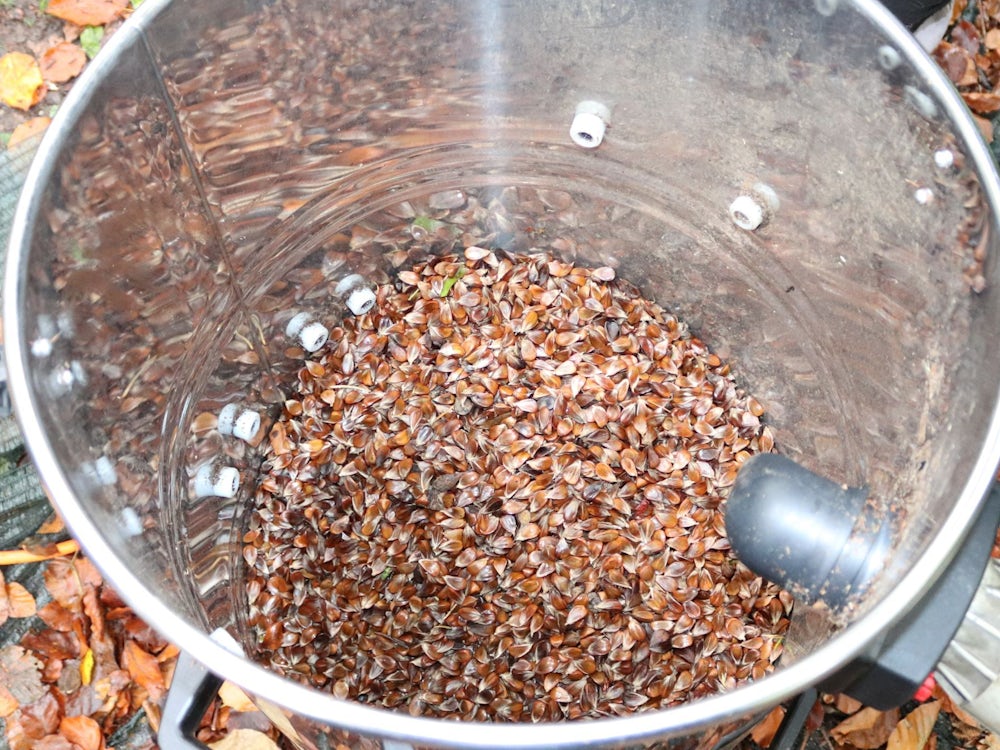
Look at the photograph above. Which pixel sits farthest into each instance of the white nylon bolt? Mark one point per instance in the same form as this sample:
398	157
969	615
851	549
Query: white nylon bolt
589	123
826	7
920	102
310	333
746	213
361	300
753	209
104	470
239	422
41	347
217	481
888	57
944	158
131	522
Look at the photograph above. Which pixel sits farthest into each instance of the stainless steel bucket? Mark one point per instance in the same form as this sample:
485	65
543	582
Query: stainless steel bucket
223	165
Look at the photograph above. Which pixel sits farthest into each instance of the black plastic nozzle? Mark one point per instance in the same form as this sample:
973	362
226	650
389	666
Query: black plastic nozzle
818	539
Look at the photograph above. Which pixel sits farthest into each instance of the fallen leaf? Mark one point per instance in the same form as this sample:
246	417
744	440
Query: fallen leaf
8	703
87	12
21	674
982	102
22	603
764	732
87	667
985	127
992	741
244	739
912	732
53	742
21	84
868	729
235	698
144	669
847	705
992	39
62	62
4	602
53	524
82	731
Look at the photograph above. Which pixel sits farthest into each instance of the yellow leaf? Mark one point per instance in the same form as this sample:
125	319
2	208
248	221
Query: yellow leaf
914	730
21	84
87	667
244	739
235	698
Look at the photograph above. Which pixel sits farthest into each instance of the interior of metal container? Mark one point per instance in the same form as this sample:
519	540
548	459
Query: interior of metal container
227	164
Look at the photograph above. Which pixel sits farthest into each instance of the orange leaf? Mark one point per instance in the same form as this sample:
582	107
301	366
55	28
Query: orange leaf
912	732
867	729
53	524
982	102
62	62
82	731
763	733
8	703
87	12
22	603
144	669
21	84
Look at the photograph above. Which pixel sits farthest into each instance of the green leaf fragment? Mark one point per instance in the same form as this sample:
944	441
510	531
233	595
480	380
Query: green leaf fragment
90	40
427	223
450	282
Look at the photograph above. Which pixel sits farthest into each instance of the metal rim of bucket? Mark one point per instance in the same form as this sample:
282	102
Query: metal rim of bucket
356	717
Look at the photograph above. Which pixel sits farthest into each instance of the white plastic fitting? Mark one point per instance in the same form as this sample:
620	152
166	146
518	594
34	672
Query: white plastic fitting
361	300
131	522
310	333
888	57
826	7
920	102
238	421
752	210
360	297
944	158
41	347
589	123
103	469
924	196
216	481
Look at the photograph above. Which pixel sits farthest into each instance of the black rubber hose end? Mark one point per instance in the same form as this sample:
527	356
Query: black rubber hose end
820	540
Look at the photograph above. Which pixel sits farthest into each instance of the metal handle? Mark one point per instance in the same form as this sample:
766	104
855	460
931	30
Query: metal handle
969	670
192	691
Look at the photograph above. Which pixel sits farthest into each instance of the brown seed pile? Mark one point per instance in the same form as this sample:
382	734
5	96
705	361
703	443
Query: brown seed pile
498	496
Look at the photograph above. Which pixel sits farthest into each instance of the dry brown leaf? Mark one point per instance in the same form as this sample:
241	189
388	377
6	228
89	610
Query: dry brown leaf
764	732
53	524
8	703
87	12
21	84
912	732
82	731
992	39
4	602
144	669
63	62
21	602
868	729
236	699
244	739
847	705
991	741
982	102
21	674
29	129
